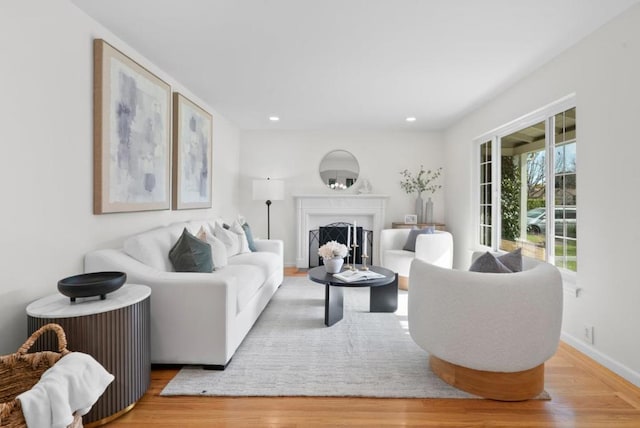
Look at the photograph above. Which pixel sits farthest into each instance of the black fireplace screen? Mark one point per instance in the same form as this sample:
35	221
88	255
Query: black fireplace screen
338	232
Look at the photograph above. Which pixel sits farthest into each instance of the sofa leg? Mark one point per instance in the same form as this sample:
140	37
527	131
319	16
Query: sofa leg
502	386
214	367
219	367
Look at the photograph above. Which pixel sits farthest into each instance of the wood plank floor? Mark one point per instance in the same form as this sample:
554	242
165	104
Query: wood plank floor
584	394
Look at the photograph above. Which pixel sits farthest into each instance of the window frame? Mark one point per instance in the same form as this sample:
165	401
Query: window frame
544	114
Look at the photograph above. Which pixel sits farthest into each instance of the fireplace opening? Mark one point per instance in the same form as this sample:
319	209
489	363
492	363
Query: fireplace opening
338	232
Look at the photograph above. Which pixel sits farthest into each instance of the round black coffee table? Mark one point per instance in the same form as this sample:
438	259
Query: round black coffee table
383	294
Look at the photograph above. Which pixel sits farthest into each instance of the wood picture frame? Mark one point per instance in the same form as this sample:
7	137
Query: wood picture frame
192	152
131	135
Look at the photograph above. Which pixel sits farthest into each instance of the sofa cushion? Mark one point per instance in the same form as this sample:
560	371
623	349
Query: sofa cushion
152	247
190	254
248	278
230	239
267	262
236	227
218	250
410	245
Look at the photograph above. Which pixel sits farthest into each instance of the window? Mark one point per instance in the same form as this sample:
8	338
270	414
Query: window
485	194
530	166
566	242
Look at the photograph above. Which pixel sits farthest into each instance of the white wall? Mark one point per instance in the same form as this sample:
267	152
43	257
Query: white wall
294	156
603	70
46	170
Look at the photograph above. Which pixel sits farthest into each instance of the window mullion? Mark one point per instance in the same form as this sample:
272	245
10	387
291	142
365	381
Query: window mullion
496	211
551	186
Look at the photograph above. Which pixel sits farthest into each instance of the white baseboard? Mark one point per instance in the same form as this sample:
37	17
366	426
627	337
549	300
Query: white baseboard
603	359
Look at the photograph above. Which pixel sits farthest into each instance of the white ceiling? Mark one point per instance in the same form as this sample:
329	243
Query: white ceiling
349	64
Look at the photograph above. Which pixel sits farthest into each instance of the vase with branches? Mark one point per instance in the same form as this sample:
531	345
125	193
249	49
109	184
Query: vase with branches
423	181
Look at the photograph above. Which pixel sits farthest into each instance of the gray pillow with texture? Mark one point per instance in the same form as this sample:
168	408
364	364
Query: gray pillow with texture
190	254
410	245
512	260
488	263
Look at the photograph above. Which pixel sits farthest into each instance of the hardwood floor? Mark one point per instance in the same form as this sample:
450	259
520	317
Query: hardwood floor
584	394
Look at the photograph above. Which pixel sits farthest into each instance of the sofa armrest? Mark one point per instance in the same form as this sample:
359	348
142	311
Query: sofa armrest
203	304
271	245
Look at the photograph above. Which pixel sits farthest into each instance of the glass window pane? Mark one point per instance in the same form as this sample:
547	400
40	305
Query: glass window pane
572	228
571	247
570	189
485	152
485	235
559	193
570	157
485	173
559	160
565	126
560	252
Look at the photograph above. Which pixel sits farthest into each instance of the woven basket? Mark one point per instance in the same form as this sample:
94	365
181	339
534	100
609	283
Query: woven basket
19	372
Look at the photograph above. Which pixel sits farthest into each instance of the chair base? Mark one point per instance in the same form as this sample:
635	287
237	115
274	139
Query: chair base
502	386
403	282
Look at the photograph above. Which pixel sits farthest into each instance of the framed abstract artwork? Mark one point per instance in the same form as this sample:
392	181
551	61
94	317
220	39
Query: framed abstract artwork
131	135
192	146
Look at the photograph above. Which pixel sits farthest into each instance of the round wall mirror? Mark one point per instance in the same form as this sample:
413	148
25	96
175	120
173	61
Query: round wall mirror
339	169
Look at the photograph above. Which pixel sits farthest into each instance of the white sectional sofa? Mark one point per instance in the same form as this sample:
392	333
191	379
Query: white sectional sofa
196	318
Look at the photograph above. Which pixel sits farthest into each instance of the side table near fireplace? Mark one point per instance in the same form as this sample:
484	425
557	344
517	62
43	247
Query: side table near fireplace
114	331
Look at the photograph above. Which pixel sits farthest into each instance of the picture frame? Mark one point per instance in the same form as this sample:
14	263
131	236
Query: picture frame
131	134
410	219
192	152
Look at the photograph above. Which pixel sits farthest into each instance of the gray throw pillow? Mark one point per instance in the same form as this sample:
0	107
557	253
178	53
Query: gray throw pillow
249	235
190	254
488	263
512	260
410	245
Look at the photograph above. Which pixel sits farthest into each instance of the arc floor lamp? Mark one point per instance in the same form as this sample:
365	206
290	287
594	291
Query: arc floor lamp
268	190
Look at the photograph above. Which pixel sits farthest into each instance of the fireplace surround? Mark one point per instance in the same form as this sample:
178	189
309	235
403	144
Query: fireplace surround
313	211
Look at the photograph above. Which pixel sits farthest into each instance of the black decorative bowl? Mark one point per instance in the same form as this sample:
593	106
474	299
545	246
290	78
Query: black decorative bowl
91	284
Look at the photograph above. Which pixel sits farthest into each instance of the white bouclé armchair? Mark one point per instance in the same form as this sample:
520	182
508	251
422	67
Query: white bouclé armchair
487	333
435	248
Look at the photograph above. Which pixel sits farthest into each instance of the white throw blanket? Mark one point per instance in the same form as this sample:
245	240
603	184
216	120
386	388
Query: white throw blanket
71	385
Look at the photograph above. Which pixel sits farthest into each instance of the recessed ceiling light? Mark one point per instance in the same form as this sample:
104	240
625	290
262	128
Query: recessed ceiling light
274	118
410	119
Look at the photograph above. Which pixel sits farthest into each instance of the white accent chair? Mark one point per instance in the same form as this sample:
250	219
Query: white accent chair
487	333
435	248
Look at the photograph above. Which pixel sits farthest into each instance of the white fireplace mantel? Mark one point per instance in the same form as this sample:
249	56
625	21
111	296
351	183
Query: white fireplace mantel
313	211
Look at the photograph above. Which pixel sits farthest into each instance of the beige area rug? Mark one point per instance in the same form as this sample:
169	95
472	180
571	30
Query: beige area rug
290	352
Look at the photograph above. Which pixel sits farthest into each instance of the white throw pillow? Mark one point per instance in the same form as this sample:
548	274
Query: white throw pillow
218	249
231	240
152	247
236	227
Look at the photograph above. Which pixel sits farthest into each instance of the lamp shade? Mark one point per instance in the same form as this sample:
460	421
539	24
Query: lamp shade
268	190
